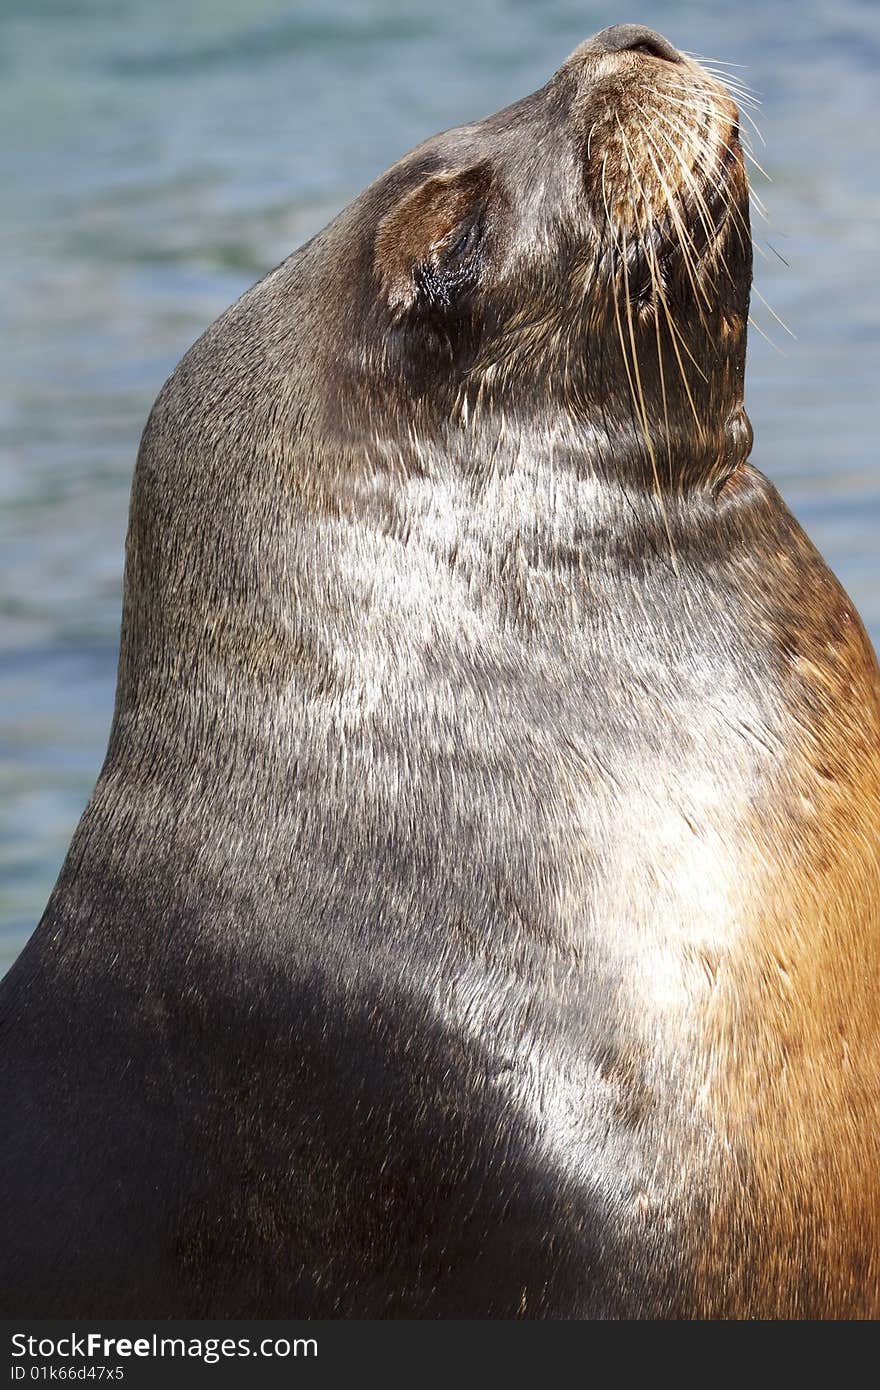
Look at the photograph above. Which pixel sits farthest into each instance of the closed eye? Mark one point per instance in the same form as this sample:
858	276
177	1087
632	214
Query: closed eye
467	240
463	242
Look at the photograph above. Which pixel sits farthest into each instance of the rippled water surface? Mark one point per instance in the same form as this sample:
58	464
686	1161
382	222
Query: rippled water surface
159	155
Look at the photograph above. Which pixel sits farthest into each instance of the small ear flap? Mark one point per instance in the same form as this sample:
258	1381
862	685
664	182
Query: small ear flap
419	226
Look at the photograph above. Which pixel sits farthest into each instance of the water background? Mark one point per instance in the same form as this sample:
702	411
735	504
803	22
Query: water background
157	156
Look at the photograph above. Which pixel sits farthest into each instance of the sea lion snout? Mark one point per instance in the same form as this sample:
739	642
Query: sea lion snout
635	38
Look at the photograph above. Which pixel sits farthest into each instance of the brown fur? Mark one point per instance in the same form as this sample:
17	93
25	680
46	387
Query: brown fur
795	1014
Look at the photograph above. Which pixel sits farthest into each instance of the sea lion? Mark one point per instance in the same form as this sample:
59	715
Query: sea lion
477	911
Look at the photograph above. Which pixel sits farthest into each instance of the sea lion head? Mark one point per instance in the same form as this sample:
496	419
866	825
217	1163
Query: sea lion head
582	255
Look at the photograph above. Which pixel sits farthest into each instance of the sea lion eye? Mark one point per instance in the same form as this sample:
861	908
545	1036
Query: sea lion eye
467	241
458	264
453	267
428	246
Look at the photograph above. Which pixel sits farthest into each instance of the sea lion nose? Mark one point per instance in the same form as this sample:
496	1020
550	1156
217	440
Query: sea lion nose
636	38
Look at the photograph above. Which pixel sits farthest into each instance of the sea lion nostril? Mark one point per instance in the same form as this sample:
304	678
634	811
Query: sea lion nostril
636	38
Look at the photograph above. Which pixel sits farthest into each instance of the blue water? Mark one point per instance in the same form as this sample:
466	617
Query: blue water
156	156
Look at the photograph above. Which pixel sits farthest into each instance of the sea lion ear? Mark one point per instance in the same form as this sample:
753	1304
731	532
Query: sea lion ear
428	244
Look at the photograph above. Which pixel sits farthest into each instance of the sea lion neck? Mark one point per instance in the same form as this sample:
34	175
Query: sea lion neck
669	457
321	578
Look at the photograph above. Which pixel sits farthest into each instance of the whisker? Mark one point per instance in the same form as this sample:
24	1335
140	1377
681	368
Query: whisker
730	79
752	160
721	65
702	207
699	58
701	101
736	90
614	298
676	336
713	95
649	443
687	106
656	285
683	235
771	310
705	216
766	336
